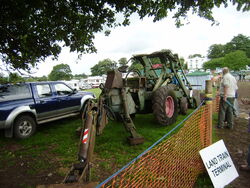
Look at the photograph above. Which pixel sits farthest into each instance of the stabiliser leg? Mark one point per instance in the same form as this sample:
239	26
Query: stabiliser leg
135	138
79	172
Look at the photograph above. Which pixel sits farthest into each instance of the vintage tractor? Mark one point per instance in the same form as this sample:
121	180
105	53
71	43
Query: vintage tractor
160	87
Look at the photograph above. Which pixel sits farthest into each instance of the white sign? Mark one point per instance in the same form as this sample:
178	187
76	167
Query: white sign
219	164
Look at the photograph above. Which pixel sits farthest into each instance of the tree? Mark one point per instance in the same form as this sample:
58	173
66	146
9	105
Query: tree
60	72
194	56
3	79
122	61
15	78
183	63
240	42
103	67
135	65
214	63
236	60
32	30
43	78
216	51
80	76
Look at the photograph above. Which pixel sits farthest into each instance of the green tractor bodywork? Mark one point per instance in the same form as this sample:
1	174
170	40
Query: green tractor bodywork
160	87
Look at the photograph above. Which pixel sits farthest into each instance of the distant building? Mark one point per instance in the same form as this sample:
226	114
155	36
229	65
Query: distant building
195	63
197	79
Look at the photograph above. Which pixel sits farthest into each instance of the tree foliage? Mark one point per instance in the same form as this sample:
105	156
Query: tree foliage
183	63
15	78
214	63
43	78
3	80
122	61
239	42
194	56
60	72
135	65
80	76
216	51
236	60
33	30
103	67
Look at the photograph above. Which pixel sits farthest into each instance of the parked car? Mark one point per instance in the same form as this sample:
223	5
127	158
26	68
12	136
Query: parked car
24	105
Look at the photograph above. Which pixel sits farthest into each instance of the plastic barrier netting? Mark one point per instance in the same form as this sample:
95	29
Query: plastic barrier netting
175	161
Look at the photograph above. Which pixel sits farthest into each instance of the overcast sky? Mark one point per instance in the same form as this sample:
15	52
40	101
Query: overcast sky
144	36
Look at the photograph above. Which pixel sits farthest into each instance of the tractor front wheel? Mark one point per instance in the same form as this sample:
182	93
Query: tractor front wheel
165	105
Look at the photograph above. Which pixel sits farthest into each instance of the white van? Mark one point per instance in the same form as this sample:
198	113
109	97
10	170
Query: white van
74	84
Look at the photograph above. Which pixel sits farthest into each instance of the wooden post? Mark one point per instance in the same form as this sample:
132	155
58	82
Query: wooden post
209	103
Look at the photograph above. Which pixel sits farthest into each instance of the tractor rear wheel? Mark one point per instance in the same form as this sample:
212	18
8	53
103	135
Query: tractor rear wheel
165	105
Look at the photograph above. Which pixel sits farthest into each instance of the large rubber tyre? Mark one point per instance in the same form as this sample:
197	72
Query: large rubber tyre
183	106
24	127
165	106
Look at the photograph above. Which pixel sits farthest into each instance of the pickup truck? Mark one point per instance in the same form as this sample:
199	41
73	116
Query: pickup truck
23	106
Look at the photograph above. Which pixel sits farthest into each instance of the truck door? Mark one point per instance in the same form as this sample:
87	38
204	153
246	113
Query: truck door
69	101
47	104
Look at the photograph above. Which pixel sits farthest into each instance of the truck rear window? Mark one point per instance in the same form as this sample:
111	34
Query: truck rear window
14	92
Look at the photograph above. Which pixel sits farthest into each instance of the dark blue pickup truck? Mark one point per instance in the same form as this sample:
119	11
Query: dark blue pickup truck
24	105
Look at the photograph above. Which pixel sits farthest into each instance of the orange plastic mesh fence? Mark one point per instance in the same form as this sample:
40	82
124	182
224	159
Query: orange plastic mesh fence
175	162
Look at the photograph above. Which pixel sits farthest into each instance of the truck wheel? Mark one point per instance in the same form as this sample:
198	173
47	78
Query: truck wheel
183	105
165	105
24	127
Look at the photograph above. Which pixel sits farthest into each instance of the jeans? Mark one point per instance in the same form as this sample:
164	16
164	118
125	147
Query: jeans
226	112
248	157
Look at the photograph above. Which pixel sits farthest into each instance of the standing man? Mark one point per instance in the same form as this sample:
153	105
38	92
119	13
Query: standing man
228	87
243	76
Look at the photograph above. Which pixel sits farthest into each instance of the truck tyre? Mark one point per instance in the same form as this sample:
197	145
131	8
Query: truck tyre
165	105
183	106
24	127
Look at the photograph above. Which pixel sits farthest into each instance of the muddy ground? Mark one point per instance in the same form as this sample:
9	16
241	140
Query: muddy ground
238	139
19	174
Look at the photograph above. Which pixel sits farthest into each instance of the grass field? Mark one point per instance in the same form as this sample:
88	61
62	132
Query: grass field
55	146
